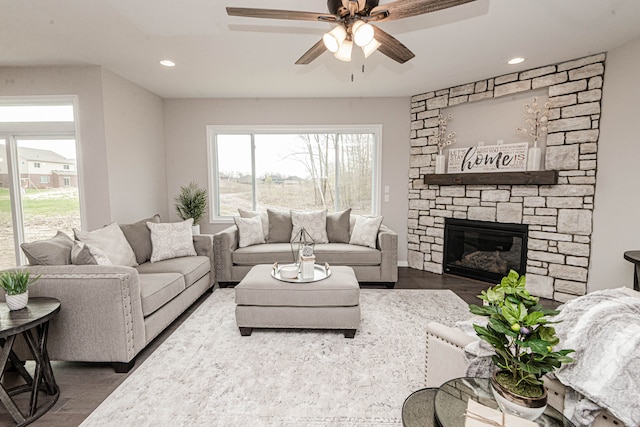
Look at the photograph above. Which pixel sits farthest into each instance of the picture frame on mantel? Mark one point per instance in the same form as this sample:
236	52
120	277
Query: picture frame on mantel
489	158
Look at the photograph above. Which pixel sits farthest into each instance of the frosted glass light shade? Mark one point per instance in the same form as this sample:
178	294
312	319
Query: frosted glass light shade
362	33
371	47
344	53
334	38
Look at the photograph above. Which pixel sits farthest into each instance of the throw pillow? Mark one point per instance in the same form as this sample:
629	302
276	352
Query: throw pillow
280	226
139	237
365	231
171	240
84	254
53	251
338	226
314	223
249	231
111	241
263	217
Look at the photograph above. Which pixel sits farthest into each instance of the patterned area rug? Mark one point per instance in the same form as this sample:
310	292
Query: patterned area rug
206	374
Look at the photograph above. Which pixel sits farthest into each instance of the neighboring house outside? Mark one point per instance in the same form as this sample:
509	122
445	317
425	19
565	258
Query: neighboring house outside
40	169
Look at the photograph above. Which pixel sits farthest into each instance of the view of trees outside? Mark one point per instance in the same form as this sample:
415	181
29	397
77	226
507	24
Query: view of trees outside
296	171
48	179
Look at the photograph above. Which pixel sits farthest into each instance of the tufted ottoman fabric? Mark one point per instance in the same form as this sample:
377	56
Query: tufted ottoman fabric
265	302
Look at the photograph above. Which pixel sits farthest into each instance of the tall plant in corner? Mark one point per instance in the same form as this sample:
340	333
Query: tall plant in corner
521	335
191	202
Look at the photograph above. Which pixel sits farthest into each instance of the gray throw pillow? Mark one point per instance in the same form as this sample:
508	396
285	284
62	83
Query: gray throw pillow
139	237
338	227
53	251
110	239
280	226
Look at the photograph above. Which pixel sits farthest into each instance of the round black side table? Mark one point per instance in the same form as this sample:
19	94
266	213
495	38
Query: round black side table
33	323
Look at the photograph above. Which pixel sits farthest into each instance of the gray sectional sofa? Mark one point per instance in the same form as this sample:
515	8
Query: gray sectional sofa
371	265
109	313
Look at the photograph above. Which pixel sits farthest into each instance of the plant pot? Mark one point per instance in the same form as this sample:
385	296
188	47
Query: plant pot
17	302
195	229
440	163
528	408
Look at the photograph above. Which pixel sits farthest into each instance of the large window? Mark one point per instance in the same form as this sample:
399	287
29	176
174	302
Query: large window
303	169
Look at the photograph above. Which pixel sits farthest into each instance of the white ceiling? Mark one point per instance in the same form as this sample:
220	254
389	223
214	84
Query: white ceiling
219	56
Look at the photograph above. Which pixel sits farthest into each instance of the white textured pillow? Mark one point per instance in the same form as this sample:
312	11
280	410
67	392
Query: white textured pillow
84	254
171	240
250	231
365	231
110	240
314	223
263	217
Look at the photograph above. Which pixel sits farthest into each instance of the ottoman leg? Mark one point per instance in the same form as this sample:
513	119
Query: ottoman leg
245	332
349	333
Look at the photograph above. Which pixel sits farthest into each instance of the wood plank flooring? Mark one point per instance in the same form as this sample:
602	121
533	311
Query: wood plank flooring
83	386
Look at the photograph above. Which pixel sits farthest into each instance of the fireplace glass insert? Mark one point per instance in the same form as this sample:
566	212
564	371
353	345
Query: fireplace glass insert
484	250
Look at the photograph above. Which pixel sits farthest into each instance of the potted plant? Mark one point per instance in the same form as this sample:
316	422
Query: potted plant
15	284
520	333
191	202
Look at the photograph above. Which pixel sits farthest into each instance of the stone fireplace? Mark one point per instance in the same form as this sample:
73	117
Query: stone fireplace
558	215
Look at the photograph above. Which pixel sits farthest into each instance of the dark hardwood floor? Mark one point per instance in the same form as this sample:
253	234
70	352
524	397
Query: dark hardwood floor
83	386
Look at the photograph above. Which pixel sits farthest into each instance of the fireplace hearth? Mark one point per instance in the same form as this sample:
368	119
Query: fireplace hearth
484	251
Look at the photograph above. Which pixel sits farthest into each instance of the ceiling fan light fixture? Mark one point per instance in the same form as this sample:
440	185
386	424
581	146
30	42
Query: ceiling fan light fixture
362	33
334	38
371	47
344	52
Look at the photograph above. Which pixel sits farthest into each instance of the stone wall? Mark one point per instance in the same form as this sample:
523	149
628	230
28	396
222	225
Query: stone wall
559	216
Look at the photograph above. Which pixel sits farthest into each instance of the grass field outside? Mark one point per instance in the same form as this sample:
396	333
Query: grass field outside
44	213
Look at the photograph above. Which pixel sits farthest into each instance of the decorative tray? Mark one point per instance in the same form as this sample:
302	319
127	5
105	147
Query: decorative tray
320	272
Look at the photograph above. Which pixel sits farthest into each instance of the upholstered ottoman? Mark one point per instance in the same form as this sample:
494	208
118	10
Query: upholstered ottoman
265	302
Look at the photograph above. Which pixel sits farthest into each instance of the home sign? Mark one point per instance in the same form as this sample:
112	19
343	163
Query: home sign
489	158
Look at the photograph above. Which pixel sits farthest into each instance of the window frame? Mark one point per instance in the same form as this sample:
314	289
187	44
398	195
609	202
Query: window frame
212	161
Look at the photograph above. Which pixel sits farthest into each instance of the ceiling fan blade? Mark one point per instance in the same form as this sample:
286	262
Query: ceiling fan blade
391	47
279	14
406	8
310	55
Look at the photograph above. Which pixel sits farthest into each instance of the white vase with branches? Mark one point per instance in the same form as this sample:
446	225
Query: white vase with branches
537	119
443	139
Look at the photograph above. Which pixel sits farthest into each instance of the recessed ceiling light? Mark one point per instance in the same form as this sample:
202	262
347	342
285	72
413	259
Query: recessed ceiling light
514	61
167	63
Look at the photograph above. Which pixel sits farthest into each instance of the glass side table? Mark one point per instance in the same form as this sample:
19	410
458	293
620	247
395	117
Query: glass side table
450	403
417	410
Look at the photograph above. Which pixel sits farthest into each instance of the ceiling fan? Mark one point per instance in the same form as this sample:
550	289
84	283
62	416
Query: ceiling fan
352	19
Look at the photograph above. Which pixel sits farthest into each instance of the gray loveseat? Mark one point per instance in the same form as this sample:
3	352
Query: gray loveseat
371	265
109	313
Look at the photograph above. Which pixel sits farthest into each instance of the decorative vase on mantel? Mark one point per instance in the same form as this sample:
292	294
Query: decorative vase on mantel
534	156
440	162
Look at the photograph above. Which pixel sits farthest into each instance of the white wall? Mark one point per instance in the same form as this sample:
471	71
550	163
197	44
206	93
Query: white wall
134	133
616	216
186	144
85	83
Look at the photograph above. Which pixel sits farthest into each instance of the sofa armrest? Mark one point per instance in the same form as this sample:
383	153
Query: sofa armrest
203	244
388	244
100	318
224	243
445	357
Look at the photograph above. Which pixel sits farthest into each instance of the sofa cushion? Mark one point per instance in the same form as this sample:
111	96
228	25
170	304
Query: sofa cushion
365	231
139	237
264	218
157	289
53	251
192	268
280	226
111	241
171	240
86	254
338	226
333	253
314	223
249	231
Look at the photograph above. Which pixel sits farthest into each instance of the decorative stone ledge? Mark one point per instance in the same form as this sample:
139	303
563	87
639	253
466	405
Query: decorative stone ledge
494	178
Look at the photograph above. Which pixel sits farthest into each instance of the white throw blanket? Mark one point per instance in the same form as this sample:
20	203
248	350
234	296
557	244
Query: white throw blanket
603	328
